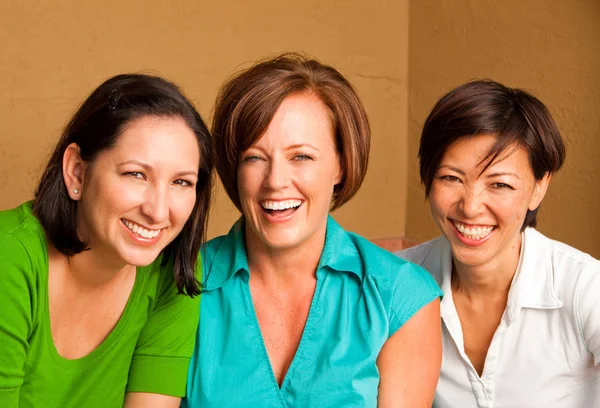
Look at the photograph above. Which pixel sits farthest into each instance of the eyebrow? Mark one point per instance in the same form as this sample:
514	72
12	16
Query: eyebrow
148	167
139	163
456	169
299	145
502	173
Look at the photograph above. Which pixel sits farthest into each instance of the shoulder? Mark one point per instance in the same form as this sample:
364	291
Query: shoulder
419	253
222	257
376	260
23	261
572	275
403	287
349	251
392	273
211	249
21	235
566	262
435	256
18	218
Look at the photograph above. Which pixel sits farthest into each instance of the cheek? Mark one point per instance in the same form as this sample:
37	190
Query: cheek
117	193
321	180
439	202
512	206
244	189
249	183
183	205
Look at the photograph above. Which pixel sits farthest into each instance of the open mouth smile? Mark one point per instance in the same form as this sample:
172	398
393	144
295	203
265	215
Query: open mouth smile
280	208
476	233
139	231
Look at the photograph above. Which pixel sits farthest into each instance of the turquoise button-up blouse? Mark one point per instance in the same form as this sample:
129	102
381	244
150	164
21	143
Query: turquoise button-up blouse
363	295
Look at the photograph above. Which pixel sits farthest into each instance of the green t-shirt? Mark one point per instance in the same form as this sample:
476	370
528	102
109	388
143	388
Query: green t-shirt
148	350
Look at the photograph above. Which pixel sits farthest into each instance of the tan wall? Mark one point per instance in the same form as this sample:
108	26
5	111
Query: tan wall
551	48
53	53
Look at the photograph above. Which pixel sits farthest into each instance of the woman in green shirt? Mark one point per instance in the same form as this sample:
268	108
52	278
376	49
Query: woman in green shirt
89	317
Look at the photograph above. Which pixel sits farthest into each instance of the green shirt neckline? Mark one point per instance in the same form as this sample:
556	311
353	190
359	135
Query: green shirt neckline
110	340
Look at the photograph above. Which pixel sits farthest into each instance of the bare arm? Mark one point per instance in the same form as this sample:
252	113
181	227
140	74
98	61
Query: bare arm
146	400
410	360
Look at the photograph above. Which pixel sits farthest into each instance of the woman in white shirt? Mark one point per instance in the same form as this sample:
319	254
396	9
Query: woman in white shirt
521	314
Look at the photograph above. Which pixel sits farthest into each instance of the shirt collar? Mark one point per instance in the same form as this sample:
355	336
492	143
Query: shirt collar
228	259
339	254
533	283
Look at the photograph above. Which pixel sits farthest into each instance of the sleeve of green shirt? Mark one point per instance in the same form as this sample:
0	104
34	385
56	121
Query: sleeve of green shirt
163	352
16	316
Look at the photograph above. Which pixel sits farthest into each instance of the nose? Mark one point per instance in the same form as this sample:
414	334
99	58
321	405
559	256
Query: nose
471	203
156	204
278	174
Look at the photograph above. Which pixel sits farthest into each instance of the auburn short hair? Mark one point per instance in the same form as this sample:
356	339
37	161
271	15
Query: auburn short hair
248	101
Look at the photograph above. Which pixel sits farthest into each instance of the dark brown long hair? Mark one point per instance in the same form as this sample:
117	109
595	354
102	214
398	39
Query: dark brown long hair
95	127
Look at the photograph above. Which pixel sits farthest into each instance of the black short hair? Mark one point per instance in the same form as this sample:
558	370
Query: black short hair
95	127
513	115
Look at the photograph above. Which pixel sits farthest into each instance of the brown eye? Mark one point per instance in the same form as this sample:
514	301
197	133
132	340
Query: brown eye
453	179
502	186
135	174
183	183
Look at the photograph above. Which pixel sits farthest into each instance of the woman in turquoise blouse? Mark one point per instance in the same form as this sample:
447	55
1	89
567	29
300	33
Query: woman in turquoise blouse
297	312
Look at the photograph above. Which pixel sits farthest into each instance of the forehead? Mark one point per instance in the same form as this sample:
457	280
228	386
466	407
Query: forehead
476	153
301	118
156	138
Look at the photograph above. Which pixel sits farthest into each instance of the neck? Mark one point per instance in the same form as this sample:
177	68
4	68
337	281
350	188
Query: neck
490	280
284	266
90	269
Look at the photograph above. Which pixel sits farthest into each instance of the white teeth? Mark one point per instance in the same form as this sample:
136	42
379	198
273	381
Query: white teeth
280	205
141	231
473	233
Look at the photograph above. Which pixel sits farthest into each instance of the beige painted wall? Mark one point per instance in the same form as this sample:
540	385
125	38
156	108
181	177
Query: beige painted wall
53	53
551	48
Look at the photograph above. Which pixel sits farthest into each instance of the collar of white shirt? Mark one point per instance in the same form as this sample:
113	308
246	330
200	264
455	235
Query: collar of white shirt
533	283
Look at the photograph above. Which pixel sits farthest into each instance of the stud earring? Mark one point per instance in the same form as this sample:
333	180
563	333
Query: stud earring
75	191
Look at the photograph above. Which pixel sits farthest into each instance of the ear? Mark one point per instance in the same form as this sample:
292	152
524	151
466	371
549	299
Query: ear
539	192
339	175
73	168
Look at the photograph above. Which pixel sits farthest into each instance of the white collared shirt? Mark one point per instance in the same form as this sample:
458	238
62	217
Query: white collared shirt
546	351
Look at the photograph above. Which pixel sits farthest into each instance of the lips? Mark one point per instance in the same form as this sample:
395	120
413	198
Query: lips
475	232
141	231
280	208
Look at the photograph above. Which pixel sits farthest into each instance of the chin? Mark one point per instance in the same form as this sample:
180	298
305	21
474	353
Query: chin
471	260
282	241
140	258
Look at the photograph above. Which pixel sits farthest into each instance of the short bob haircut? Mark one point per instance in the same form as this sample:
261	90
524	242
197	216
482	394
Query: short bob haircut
514	116
248	101
95	127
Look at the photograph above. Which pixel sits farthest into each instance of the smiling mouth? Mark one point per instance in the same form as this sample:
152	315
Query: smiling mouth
476	233
140	231
280	208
